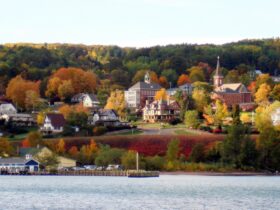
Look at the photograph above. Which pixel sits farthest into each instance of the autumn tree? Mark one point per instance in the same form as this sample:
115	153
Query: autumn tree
262	94
183	79
34	138
73	151
116	102
18	88
161	94
163	82
196	74
191	119
201	98
66	82
263	78
60	146
6	148
65	90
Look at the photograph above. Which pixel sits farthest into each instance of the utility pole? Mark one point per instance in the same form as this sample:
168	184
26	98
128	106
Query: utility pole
137	161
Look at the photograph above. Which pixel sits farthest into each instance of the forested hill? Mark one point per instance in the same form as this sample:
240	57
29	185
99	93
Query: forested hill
37	61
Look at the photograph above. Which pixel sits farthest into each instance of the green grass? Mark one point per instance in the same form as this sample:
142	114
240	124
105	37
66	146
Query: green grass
126	133
184	132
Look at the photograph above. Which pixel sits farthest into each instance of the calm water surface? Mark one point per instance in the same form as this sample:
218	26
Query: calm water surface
166	192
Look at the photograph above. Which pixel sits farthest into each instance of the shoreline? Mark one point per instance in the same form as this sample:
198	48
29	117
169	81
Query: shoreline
207	173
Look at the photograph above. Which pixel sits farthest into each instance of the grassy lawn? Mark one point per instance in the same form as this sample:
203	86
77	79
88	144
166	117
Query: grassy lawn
159	125
22	136
134	132
185	132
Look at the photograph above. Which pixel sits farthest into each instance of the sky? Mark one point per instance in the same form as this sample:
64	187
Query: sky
137	23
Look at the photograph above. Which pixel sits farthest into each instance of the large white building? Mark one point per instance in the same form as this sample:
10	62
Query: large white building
7	108
136	96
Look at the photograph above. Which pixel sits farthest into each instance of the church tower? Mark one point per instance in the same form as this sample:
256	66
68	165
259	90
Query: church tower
147	78
218	77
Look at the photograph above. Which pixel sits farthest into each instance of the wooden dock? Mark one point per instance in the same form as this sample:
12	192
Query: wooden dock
136	174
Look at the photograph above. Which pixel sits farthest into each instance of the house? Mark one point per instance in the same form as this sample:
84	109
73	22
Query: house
19	164
38	153
19	120
186	88
104	117
53	123
7	108
161	111
88	100
231	93
136	95
275	117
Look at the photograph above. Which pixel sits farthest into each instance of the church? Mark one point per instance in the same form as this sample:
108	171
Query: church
231	93
136	96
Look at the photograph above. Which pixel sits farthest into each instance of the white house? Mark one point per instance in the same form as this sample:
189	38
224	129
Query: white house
275	117
88	100
53	123
7	108
104	117
160	111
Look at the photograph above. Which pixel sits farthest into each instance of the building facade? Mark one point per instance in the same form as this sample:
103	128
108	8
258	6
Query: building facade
53	123
161	111
136	96
231	93
275	117
88	100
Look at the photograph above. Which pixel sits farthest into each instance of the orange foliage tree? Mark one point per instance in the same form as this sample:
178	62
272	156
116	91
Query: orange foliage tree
163	81
25	143
183	79
79	81
67	109
73	151
18	88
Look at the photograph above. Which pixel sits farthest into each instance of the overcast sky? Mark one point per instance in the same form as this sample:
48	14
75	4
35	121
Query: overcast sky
137	23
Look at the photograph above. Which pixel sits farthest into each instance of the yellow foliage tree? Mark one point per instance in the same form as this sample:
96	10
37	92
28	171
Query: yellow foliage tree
262	94
60	146
245	118
161	94
116	102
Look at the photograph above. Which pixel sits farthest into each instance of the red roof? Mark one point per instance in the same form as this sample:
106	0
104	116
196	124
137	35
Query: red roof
57	120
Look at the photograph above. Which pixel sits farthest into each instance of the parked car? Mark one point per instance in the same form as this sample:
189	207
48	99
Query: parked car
90	167
113	167
76	168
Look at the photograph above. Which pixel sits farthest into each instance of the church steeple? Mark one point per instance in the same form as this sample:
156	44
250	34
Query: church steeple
218	77
147	78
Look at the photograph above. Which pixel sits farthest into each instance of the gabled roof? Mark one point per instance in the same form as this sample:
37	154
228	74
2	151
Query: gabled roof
146	86
107	112
232	88
15	160
57	120
93	97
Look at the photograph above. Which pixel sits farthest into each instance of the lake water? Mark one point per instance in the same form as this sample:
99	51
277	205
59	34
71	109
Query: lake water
166	192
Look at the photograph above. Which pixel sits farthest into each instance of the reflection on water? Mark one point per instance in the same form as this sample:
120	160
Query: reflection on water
166	192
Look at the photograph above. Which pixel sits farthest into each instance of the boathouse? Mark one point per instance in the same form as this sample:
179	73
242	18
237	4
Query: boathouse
17	164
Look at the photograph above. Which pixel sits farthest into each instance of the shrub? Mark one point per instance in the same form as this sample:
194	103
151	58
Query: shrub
99	130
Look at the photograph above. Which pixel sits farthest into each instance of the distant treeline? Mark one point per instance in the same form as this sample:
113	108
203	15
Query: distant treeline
38	61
